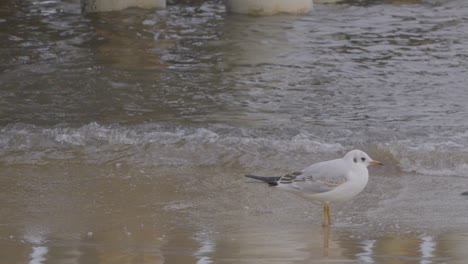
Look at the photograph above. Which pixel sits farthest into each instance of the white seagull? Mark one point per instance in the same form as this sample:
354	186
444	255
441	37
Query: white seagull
328	181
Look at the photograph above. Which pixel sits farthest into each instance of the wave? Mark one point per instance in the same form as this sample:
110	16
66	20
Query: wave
430	157
217	145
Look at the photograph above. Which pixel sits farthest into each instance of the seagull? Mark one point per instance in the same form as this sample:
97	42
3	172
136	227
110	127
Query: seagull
329	181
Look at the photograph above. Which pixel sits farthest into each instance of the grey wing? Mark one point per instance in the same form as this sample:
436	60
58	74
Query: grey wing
318	178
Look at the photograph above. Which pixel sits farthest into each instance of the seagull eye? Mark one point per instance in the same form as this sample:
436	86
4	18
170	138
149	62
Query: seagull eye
363	159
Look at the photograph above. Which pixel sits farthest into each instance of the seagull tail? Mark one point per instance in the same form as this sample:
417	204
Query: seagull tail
270	180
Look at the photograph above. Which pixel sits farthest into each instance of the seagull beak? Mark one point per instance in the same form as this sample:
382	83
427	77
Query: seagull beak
374	162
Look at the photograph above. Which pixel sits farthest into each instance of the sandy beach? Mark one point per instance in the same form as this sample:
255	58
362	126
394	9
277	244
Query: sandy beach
227	219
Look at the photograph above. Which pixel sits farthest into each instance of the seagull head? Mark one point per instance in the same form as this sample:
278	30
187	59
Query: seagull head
360	157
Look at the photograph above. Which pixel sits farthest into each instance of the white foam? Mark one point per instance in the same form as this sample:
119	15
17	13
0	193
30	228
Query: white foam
159	145
436	157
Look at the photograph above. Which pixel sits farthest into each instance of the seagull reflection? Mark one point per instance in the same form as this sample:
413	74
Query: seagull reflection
36	236
368	248
326	238
38	255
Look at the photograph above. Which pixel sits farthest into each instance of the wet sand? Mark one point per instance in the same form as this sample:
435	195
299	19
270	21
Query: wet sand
78	214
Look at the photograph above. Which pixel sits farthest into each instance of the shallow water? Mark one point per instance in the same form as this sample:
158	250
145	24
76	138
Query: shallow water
124	136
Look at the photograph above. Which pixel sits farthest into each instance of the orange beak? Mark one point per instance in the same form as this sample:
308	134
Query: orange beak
374	162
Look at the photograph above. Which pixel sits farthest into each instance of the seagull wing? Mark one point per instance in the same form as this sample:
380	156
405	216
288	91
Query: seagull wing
317	178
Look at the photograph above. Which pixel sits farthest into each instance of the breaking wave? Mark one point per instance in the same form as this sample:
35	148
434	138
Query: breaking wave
218	145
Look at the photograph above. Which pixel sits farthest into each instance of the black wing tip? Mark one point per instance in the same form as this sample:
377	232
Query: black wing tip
272	181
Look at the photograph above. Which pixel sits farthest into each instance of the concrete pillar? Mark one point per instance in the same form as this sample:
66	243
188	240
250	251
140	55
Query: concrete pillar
268	7
114	5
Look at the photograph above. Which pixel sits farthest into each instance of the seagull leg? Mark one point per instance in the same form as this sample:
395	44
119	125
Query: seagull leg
326	215
329	217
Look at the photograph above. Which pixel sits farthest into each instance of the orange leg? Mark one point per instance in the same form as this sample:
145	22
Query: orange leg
326	215
329	217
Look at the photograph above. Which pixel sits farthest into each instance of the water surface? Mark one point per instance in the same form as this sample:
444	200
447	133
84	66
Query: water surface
124	135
